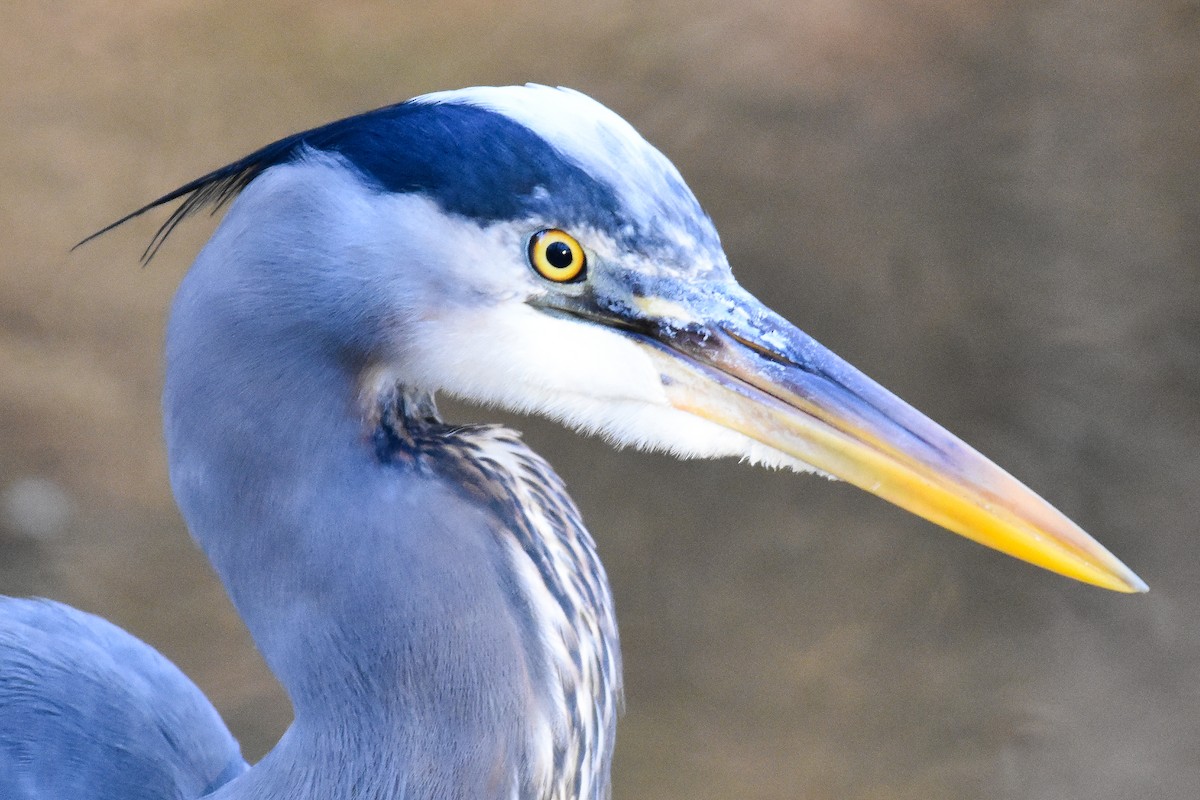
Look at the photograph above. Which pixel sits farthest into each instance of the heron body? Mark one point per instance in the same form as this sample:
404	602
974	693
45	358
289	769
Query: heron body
426	593
86	710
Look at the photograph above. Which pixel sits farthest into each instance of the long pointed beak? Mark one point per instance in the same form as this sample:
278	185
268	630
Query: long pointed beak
752	371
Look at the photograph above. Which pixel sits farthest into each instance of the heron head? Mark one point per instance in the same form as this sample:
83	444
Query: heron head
524	247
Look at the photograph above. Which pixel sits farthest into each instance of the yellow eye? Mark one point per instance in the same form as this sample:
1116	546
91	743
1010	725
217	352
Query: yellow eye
557	256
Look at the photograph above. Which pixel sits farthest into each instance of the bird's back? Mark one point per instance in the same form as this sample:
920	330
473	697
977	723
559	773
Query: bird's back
89	712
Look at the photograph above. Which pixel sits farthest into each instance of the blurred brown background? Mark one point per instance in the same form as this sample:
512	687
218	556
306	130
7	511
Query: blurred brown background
992	208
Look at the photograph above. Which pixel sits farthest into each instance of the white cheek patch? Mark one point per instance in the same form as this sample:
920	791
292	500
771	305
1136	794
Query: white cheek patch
513	355
585	376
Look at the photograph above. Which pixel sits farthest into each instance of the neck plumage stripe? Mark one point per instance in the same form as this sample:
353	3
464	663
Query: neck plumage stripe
561	587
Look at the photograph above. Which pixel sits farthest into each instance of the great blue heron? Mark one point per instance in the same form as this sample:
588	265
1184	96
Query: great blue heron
426	592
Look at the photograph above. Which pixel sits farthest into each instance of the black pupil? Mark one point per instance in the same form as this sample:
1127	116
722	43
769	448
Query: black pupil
559	255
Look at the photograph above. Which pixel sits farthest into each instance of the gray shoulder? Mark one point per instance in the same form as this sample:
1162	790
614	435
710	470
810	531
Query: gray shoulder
90	712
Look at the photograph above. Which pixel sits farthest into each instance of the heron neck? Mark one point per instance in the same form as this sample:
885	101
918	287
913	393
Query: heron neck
378	595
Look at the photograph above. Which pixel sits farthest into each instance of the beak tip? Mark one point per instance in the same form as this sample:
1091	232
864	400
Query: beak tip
1121	578
1136	584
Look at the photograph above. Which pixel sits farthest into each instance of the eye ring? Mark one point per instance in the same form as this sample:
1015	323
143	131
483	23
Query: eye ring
557	256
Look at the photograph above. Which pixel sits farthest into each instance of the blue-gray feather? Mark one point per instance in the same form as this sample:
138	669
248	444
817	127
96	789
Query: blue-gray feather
88	711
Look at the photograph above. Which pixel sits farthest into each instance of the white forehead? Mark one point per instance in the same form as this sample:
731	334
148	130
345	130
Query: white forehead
589	134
